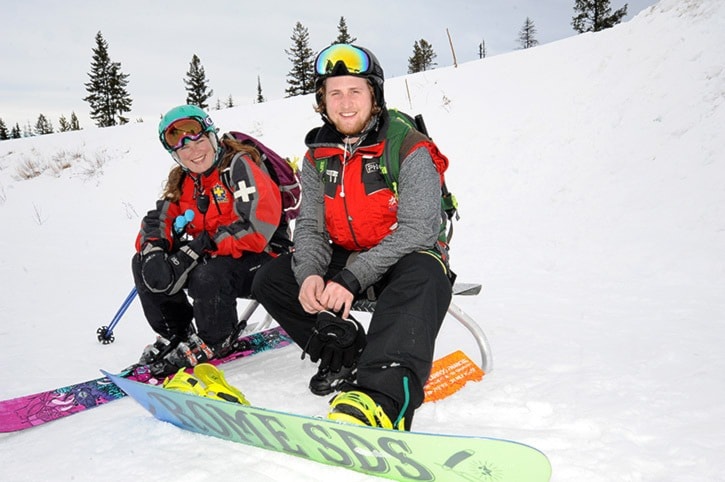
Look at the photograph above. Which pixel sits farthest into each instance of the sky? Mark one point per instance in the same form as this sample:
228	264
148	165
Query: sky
45	47
592	211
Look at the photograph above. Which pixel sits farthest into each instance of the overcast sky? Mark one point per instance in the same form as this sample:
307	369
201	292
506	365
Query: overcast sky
45	47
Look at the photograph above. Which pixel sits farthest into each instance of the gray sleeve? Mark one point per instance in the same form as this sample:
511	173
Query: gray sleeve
419	218
312	242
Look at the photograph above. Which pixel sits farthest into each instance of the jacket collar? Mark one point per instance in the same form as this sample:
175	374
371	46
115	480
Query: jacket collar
328	136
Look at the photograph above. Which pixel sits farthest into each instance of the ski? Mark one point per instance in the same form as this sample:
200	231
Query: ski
391	454
39	408
448	375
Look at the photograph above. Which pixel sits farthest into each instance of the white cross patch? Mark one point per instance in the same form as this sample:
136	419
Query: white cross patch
244	191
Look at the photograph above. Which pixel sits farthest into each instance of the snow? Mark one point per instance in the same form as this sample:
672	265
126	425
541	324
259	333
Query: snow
591	178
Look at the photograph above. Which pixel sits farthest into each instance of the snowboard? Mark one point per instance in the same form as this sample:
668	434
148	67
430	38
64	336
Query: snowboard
43	407
397	455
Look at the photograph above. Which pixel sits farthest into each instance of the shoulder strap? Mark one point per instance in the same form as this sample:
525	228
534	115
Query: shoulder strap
398	142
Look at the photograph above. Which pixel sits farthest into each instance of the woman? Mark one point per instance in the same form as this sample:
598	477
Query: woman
209	234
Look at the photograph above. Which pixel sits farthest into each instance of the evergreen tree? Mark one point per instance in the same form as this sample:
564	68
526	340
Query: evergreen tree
230	102
28	130
422	58
218	105
74	125
343	37
301	78
260	97
482	49
43	126
15	132
527	35
121	102
107	93
595	15
3	131
197	84
63	125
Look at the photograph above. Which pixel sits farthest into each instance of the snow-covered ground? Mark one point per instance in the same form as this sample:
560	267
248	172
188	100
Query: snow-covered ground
591	178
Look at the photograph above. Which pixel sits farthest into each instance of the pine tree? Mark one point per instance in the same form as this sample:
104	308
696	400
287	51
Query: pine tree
301	78
197	84
595	15
482	49
3	131
527	35
74	124
260	97
15	132
422	58
43	126
107	93
343	37
229	103
64	125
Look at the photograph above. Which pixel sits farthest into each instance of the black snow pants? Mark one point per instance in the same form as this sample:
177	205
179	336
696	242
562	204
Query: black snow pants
214	286
412	301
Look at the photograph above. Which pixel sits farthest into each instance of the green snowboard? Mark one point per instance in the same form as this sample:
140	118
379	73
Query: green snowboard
408	456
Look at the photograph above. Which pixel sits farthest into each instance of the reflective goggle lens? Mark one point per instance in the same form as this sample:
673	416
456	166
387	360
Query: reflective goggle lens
355	60
182	130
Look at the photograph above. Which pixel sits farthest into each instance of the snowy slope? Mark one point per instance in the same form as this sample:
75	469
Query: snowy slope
591	180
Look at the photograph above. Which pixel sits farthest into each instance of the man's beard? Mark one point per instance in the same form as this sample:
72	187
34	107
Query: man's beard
353	130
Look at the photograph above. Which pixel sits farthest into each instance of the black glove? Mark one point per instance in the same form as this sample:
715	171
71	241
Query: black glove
152	230
201	245
335	341
165	273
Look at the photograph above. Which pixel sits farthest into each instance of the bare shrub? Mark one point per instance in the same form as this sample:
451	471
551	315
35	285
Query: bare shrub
60	162
29	168
38	215
94	167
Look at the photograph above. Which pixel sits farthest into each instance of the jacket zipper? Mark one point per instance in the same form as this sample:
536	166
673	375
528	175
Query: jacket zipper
344	199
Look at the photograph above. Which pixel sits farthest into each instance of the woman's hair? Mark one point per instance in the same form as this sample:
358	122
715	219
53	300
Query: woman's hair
321	108
230	147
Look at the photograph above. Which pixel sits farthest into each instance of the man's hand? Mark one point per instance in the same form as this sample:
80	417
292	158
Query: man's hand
310	292
337	298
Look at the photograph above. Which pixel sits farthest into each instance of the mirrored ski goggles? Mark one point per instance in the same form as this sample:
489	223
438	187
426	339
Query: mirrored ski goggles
180	131
354	60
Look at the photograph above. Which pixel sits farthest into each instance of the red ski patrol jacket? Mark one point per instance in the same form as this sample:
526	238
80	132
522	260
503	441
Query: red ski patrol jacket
243	212
360	209
347	201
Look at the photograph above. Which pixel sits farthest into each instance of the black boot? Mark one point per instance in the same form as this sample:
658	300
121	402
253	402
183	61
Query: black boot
325	381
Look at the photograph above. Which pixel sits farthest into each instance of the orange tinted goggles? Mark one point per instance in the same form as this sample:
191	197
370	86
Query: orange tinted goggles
180	131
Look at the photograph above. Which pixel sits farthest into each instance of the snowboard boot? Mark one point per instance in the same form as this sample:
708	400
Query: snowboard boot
358	408
325	381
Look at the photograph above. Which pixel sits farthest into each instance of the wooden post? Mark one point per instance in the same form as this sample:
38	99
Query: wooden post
407	90
453	51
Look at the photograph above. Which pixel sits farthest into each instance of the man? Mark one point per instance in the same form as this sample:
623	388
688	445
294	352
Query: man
356	237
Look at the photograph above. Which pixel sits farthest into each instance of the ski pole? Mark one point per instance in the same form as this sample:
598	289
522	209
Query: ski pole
105	333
